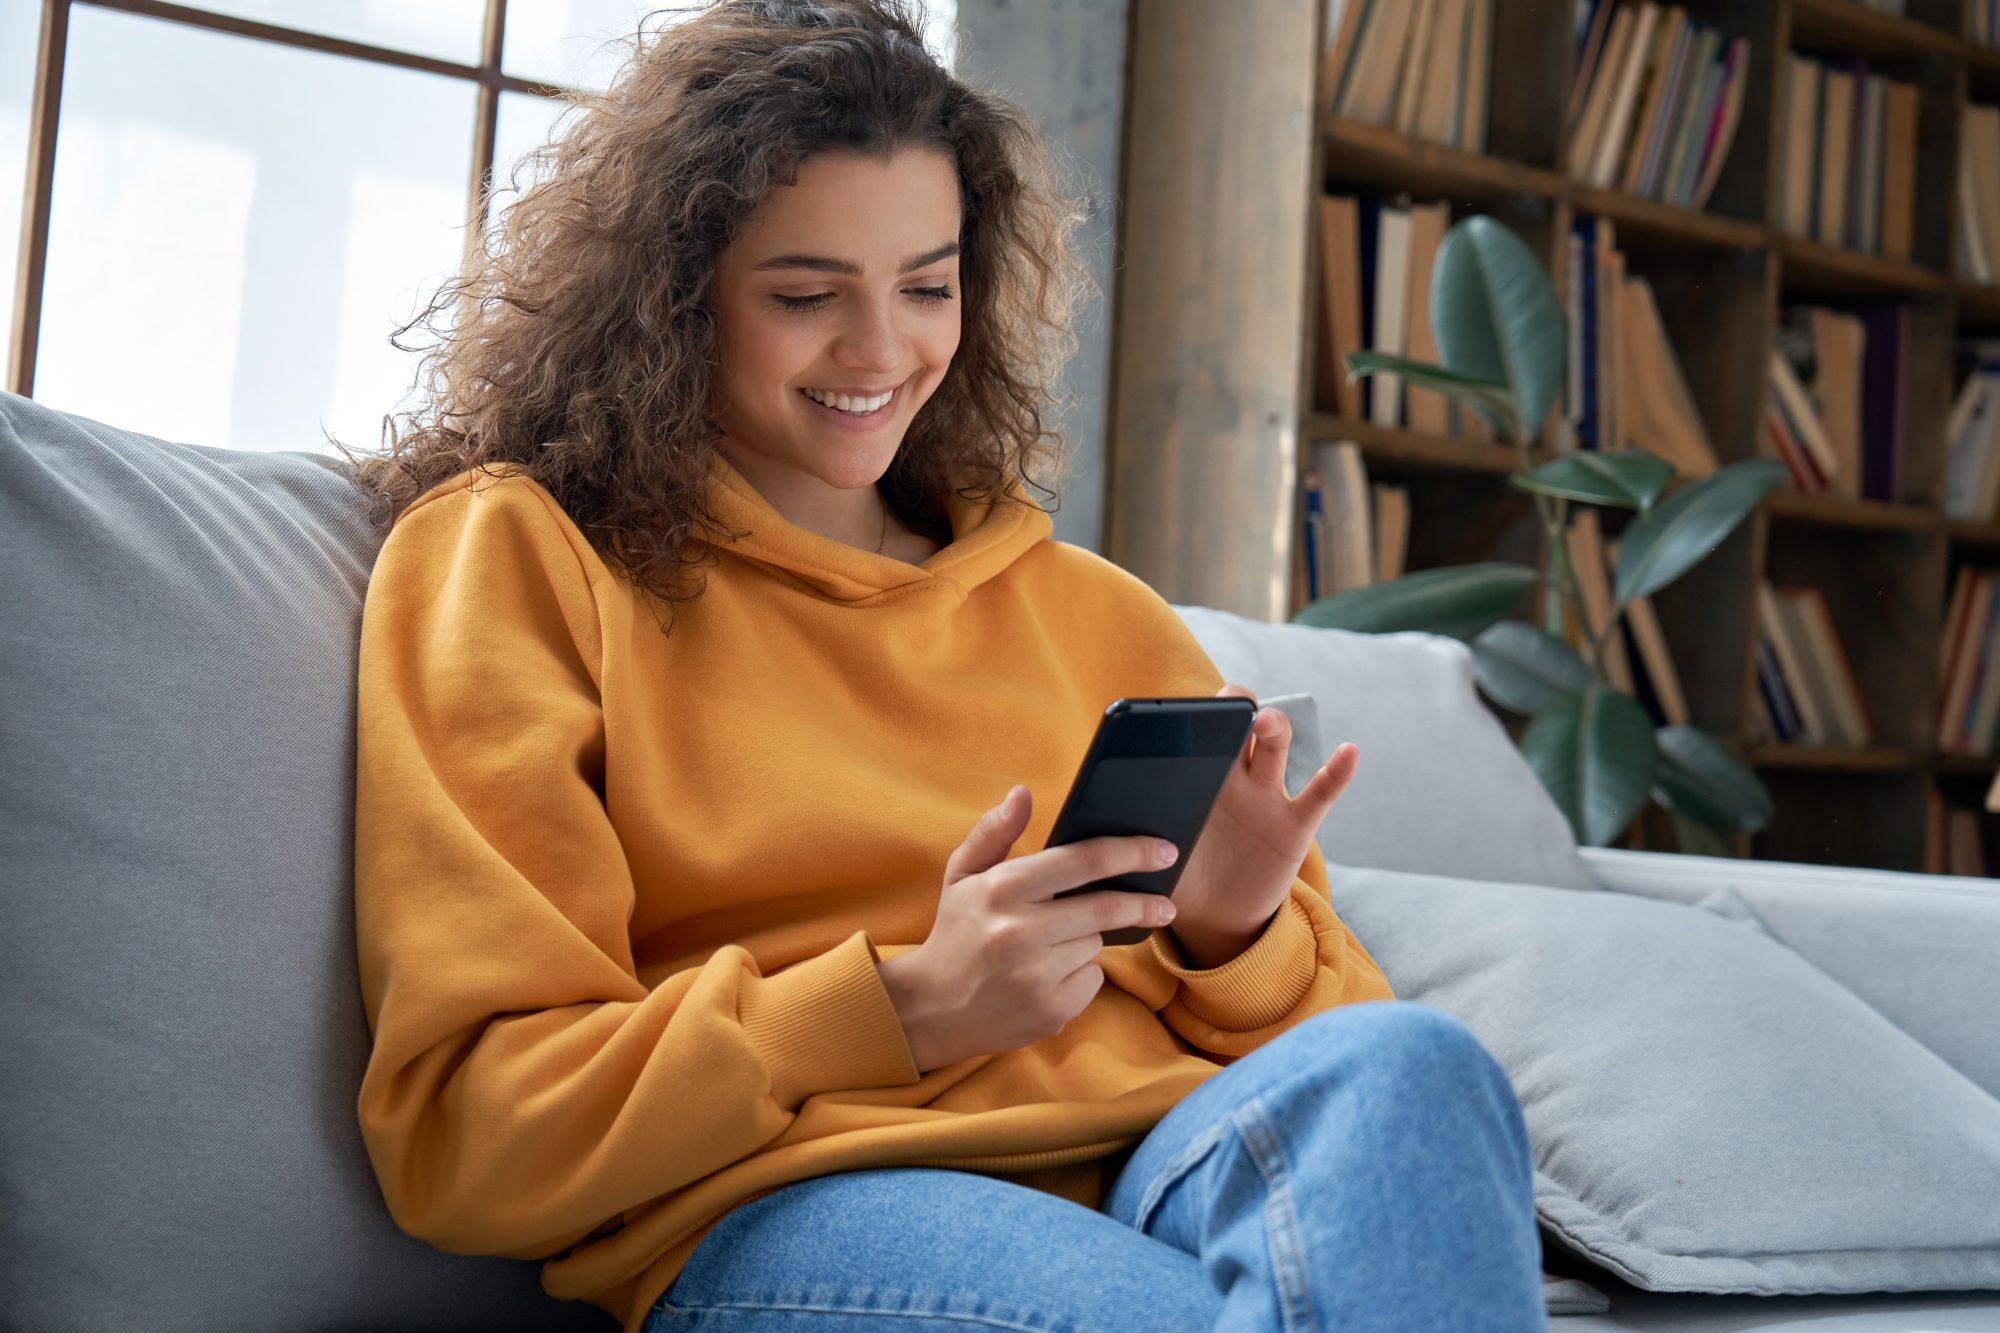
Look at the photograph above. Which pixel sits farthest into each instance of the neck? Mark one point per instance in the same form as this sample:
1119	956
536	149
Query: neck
857	517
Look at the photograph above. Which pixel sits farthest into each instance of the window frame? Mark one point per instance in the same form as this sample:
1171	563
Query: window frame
51	51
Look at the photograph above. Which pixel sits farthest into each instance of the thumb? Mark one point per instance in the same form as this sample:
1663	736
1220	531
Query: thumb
992	837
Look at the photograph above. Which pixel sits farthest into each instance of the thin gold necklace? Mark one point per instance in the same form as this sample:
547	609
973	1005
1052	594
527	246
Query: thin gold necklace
885	529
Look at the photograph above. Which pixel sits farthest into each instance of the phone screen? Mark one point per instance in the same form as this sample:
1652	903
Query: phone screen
1155	767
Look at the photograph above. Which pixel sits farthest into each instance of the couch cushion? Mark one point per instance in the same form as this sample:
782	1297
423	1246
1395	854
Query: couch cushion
182	1028
1922	950
1440	787
1708	1111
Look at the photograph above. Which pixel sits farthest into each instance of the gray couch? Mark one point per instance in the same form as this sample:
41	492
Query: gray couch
183	1034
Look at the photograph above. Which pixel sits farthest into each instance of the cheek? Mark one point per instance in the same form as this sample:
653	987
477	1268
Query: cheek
766	351
940	346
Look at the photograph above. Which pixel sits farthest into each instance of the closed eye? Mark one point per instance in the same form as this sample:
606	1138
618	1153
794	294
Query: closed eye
926	295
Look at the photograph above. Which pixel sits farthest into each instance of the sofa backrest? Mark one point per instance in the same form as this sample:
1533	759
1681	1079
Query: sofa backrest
181	1022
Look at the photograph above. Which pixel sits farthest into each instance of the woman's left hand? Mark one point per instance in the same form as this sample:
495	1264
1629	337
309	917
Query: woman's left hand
1242	866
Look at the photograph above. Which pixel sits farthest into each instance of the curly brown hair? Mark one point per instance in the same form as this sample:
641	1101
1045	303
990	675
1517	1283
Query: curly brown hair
584	348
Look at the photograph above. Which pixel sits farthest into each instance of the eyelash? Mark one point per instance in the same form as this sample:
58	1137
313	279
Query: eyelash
929	295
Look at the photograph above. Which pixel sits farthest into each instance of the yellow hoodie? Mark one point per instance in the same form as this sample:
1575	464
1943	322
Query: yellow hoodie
620	894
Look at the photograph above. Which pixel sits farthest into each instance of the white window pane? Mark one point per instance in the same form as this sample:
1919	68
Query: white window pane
526	122
576	43
20	27
941	31
581	43
238	227
447	29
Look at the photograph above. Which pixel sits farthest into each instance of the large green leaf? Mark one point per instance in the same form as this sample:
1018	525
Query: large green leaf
1525	668
1708	784
1595	753
1460	601
1492	401
1681	531
1495	316
1631	478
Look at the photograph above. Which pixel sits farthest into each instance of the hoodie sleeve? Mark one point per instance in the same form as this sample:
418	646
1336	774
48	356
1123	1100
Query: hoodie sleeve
524	1087
1305	961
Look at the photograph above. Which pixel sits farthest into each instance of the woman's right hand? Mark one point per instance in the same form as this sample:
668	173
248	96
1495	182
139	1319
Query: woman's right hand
1005	965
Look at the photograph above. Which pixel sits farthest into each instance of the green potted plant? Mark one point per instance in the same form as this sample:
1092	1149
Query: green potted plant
1504	340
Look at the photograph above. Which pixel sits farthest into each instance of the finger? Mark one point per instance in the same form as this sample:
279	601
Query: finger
1271	733
1235	691
1325	786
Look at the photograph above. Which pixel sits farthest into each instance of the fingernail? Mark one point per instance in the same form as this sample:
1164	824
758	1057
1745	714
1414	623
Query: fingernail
1164	912
1165	853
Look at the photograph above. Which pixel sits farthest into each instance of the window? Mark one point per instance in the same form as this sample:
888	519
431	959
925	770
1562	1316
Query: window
249	199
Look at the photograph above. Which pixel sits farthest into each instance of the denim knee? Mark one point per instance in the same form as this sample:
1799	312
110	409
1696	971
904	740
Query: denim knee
1416	1045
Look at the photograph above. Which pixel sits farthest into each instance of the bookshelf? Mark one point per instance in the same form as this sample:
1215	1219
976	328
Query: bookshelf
1722	274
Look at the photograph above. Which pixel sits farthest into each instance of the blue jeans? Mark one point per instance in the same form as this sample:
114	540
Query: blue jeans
1366	1169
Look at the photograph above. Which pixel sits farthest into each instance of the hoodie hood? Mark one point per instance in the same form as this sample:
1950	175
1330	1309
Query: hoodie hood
986	536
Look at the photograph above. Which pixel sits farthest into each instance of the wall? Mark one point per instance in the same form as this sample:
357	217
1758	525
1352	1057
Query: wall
1064	63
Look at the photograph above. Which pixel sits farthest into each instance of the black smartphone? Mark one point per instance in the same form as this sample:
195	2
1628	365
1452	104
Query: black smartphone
1154	768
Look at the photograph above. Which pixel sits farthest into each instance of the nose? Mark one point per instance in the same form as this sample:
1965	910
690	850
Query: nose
871	340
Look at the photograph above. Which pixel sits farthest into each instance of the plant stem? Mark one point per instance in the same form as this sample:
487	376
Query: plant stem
1561	582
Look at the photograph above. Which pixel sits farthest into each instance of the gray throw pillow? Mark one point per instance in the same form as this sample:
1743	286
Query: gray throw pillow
1708	1111
1440	787
1922	950
181	1026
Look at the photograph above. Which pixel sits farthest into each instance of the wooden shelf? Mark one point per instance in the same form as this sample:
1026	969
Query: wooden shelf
1378	153
1722	275
1653	219
1851	26
1413	448
1839	511
1814	263
1874	759
1973	532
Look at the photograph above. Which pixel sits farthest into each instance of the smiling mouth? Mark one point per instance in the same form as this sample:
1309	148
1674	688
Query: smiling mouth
894	400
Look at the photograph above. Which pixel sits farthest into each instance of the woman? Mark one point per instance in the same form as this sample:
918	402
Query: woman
695	950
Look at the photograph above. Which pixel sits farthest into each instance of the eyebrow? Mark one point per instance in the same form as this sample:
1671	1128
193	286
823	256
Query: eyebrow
824	264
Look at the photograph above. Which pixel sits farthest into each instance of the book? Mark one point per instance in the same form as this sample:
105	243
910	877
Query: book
1691	107
1582	146
1814	727
1838	343
1315	520
1424	409
1667	47
1833	668
1444	74
1618	118
1392	530
1473	76
1347	556
1836	123
1416	65
1802	417
1661	407
1392	285
1343	24
1962	671
1731	78
1801	144
1341	278
1586	555
1662	680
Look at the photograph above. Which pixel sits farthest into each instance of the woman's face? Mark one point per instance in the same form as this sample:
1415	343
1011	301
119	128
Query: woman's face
844	282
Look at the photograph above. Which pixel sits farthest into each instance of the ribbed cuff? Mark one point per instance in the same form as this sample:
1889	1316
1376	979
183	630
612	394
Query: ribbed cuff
1257	987
827	1023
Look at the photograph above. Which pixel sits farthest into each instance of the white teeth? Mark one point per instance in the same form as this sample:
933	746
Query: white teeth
841	402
